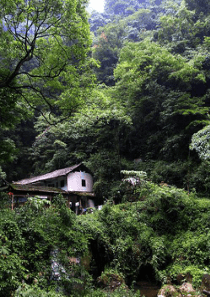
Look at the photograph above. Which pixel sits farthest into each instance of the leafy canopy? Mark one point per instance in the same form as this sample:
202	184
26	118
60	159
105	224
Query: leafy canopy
201	144
44	44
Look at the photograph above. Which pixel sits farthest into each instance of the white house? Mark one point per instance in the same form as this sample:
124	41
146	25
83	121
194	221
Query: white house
75	182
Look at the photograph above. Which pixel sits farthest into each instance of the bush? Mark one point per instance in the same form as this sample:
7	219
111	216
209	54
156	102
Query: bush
35	291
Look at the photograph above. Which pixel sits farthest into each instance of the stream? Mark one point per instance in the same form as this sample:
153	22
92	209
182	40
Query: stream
147	289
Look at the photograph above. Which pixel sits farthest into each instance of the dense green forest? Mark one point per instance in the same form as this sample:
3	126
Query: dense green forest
132	83
126	92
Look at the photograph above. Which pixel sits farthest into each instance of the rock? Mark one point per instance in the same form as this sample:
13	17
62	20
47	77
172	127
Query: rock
168	291
111	281
184	277
180	278
187	288
205	285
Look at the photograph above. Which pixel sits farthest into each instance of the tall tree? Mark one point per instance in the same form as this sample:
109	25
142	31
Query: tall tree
200	6
43	48
45	64
160	92
113	36
96	135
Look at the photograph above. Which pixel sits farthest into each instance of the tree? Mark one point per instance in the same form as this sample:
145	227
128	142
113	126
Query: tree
96	135
125	8
200	6
11	113
201	143
177	27
29	238
45	64
160	92
113	36
44	47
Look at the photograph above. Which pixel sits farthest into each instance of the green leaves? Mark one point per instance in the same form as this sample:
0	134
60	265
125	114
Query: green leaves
140	62
49	42
45	63
200	6
160	90
27	238
201	143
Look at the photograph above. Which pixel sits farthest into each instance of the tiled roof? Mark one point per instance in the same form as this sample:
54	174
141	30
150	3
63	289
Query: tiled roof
50	175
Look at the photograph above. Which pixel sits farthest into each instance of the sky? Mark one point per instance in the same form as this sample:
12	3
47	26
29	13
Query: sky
97	5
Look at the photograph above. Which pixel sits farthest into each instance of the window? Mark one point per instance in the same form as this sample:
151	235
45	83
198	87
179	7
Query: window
62	183
83	183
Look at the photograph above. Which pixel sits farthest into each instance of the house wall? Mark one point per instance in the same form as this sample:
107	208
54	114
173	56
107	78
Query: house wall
62	183
79	181
59	182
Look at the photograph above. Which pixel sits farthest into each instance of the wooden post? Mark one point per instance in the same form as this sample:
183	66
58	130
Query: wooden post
12	195
12	202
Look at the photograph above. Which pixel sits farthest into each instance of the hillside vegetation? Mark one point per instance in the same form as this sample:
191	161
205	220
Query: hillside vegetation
160	236
125	91
140	90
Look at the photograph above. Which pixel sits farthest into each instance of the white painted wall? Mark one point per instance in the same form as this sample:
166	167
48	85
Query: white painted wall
74	182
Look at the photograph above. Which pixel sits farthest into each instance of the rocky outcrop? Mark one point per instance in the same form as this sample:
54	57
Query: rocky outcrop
111	281
186	289
168	291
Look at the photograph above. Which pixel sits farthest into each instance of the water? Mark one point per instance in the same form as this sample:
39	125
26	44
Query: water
147	289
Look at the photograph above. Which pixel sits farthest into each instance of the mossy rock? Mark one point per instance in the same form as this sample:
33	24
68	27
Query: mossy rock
205	285
168	291
111	280
186	289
